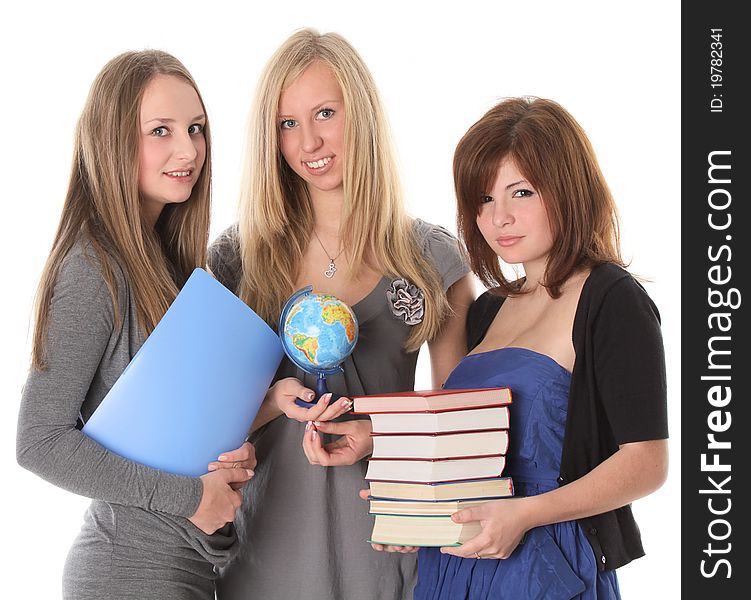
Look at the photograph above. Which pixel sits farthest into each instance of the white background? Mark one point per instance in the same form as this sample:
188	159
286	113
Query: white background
615	66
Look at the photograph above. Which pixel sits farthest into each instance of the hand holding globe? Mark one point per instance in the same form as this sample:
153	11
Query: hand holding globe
318	331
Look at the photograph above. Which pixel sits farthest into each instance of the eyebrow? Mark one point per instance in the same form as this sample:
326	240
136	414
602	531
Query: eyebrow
510	185
167	120
316	108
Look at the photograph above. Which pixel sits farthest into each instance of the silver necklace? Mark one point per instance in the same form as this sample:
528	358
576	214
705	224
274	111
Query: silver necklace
329	273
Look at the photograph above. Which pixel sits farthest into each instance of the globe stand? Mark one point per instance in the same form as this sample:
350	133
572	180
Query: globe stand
321	389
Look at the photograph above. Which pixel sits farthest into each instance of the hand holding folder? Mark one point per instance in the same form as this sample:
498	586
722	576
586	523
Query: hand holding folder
193	389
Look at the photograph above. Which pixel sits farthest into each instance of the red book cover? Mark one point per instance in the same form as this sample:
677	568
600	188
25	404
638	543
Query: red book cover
431	400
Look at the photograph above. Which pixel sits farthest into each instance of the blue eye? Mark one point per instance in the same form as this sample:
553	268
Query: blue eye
288	124
195	129
326	113
160	131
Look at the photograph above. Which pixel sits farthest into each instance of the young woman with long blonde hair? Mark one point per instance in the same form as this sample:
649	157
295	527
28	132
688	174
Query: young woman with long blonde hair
133	227
322	206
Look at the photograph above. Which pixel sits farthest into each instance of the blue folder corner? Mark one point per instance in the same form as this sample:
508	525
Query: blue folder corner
193	389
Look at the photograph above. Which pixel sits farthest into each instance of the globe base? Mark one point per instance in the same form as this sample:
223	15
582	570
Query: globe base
321	389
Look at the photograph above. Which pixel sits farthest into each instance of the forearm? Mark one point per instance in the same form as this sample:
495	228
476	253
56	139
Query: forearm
636	470
267	412
69	459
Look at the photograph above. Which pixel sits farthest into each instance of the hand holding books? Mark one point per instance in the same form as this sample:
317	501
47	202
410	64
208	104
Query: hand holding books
503	529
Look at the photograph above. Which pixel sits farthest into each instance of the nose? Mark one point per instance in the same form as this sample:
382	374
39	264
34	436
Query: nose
185	147
311	140
501	213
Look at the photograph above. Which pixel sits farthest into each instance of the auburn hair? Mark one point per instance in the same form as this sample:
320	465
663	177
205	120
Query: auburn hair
553	153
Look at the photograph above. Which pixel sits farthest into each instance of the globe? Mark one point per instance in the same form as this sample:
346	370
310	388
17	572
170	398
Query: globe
318	331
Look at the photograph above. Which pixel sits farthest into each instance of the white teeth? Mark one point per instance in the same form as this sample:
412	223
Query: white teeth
178	173
319	163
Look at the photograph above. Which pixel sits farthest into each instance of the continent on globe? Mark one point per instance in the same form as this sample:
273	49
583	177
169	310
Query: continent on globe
336	313
306	344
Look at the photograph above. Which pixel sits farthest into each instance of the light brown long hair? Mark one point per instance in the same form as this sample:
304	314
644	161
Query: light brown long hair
276	216
553	153
102	204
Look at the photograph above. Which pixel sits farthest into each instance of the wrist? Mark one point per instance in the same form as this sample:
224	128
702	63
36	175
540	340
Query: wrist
533	511
270	404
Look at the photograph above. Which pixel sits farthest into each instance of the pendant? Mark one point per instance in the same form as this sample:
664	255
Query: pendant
329	273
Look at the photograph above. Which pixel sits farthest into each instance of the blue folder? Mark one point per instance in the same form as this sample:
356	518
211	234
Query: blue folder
193	389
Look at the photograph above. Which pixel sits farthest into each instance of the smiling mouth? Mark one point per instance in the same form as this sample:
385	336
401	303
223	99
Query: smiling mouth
179	174
317	164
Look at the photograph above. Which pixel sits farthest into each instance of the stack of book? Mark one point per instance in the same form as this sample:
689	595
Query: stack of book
434	453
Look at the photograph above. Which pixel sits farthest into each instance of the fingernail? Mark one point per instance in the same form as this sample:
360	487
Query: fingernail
212	467
327	398
308	425
317	423
347	404
222	457
314	435
310	396
249	472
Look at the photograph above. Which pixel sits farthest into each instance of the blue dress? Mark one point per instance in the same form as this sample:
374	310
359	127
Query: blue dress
554	561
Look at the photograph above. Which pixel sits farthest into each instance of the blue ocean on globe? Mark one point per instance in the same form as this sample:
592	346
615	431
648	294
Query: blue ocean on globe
318	331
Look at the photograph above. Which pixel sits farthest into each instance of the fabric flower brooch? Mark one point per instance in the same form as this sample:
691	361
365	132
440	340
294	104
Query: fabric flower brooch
407	302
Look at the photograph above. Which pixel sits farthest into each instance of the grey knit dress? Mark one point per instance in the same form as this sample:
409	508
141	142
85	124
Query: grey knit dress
136	541
303	528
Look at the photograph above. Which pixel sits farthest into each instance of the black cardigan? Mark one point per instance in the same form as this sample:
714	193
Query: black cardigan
617	395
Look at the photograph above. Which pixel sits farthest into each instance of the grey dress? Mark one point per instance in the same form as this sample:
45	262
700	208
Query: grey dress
303	528
136	541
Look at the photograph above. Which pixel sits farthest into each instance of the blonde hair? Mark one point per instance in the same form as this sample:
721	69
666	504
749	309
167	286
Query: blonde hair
102	204
276	216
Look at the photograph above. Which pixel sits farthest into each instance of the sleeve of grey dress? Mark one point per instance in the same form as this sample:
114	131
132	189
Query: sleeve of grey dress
224	260
81	342
444	249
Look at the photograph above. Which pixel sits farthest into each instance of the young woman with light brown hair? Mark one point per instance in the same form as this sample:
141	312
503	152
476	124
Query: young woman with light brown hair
322	206
133	227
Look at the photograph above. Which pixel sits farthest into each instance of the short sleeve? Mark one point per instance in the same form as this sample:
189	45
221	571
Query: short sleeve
630	363
224	260
444	250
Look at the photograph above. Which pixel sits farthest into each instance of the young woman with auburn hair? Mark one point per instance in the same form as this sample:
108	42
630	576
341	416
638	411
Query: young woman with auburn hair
133	227
578	341
548	145
321	206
